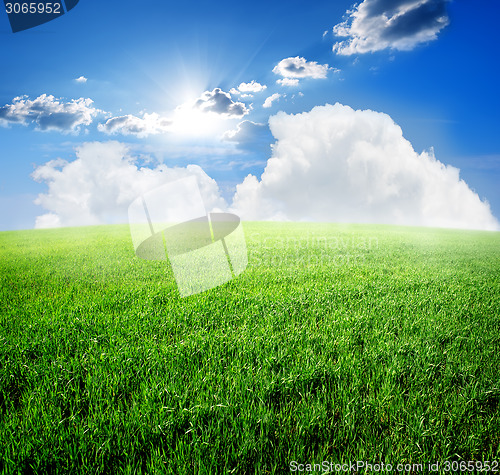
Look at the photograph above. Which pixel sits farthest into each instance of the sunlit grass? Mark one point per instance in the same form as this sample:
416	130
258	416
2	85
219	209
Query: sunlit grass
338	343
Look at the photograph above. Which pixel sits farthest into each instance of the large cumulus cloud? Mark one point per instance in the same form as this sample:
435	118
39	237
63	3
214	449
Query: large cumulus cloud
98	186
338	164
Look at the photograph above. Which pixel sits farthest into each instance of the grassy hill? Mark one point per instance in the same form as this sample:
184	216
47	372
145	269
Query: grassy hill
338	343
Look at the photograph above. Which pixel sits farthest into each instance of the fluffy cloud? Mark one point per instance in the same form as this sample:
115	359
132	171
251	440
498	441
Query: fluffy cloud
269	101
49	113
375	25
252	86
337	164
81	80
98	186
300	68
149	124
288	82
247	89
220	102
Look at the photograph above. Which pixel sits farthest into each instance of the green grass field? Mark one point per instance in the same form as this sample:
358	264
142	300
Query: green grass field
338	343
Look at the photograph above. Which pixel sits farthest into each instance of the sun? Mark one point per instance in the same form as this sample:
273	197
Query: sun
189	121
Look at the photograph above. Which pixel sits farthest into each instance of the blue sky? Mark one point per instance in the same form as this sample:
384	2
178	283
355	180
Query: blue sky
166	60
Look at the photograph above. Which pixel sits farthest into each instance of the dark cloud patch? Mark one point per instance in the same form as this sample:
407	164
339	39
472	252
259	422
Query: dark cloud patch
250	135
220	102
59	120
294	69
429	15
386	7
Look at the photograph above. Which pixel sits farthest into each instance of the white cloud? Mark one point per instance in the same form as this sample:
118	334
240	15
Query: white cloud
252	86
337	164
81	80
98	186
300	68
269	101
220	102
247	89
203	116
49	113
288	82
149	124
374	25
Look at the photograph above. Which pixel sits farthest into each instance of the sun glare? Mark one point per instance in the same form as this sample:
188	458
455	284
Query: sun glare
192	122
